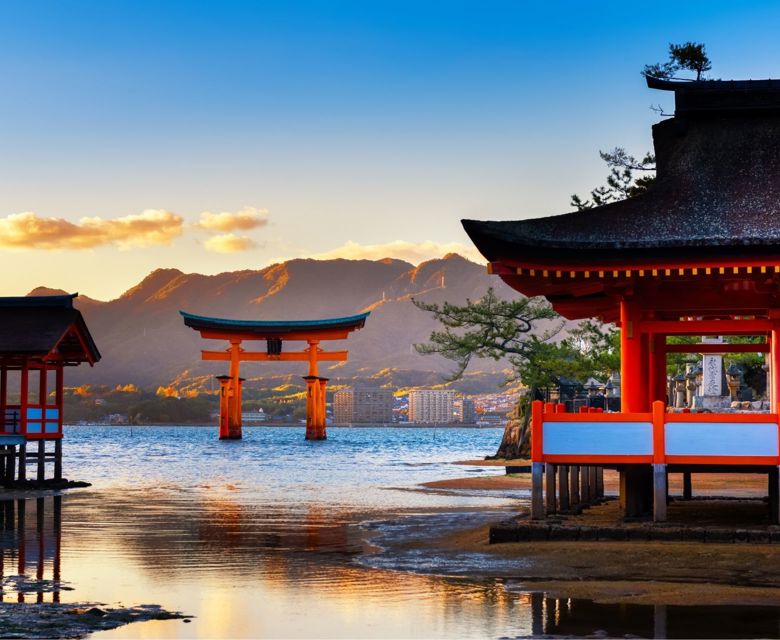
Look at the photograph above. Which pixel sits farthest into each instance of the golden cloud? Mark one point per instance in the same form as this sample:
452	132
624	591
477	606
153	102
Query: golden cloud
229	243
414	252
243	220
29	231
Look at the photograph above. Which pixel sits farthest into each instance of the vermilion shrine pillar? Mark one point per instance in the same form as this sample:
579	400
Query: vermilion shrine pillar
632	382
774	367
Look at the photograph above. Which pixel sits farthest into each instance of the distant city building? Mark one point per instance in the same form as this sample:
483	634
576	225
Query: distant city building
429	406
463	410
363	406
253	417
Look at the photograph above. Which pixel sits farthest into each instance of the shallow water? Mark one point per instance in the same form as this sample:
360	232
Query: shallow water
273	536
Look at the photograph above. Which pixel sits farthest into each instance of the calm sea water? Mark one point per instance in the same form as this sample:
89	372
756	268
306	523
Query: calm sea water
267	538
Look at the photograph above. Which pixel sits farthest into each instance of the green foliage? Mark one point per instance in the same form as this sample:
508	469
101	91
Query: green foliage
590	350
487	328
139	408
675	362
495	328
751	364
690	56
622	181
171	411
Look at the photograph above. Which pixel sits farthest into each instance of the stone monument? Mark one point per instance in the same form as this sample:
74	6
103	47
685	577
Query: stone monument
711	394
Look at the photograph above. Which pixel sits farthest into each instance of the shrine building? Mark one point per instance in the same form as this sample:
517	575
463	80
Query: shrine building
39	337
698	254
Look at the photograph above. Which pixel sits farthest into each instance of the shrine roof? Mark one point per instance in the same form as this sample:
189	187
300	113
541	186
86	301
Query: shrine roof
273	326
41	326
717	192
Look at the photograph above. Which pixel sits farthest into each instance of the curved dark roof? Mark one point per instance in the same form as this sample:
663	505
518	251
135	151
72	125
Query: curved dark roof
34	326
273	326
717	192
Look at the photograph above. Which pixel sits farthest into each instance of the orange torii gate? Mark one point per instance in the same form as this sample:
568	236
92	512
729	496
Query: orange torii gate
275	333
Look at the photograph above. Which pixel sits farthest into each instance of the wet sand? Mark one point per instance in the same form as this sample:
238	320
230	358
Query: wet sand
671	573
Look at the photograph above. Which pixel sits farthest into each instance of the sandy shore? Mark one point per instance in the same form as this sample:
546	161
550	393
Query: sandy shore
618	572
741	485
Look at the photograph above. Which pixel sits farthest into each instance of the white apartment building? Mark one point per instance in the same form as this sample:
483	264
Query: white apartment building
431	406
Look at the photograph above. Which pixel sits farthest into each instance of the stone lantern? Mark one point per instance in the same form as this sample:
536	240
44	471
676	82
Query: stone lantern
679	390
734	379
592	387
690	386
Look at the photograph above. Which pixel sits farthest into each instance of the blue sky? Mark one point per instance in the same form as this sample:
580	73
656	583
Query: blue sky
340	126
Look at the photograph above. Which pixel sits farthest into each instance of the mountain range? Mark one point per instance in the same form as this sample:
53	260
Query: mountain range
143	340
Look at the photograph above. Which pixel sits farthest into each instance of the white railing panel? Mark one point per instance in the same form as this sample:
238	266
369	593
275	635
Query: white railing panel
597	438
721	439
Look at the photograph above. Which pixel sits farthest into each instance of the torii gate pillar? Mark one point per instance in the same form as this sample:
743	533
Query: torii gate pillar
315	407
230	407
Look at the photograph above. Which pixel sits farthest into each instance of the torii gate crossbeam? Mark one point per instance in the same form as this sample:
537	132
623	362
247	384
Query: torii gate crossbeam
275	333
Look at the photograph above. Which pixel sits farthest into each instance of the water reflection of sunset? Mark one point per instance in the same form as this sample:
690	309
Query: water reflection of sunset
30	561
245	571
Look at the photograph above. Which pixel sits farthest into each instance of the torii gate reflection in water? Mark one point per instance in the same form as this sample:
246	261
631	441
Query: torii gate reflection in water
275	333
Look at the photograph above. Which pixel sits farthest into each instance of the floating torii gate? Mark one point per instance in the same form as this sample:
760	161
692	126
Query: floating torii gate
275	333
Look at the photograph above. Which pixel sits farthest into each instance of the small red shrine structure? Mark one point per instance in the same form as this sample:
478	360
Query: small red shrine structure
697	255
275	333
39	337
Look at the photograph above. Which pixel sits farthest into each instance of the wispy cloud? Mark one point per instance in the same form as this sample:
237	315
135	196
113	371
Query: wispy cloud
414	252
229	243
30	231
225	221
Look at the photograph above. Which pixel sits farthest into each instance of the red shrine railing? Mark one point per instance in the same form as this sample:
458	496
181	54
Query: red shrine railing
36	422
655	437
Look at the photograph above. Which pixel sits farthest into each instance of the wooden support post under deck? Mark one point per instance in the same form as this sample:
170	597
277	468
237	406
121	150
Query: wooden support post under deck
574	475
687	486
10	465
549	490
592	484
537	493
23	462
563	488
585	496
600	482
58	459
636	490
774	495
41	460
659	492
